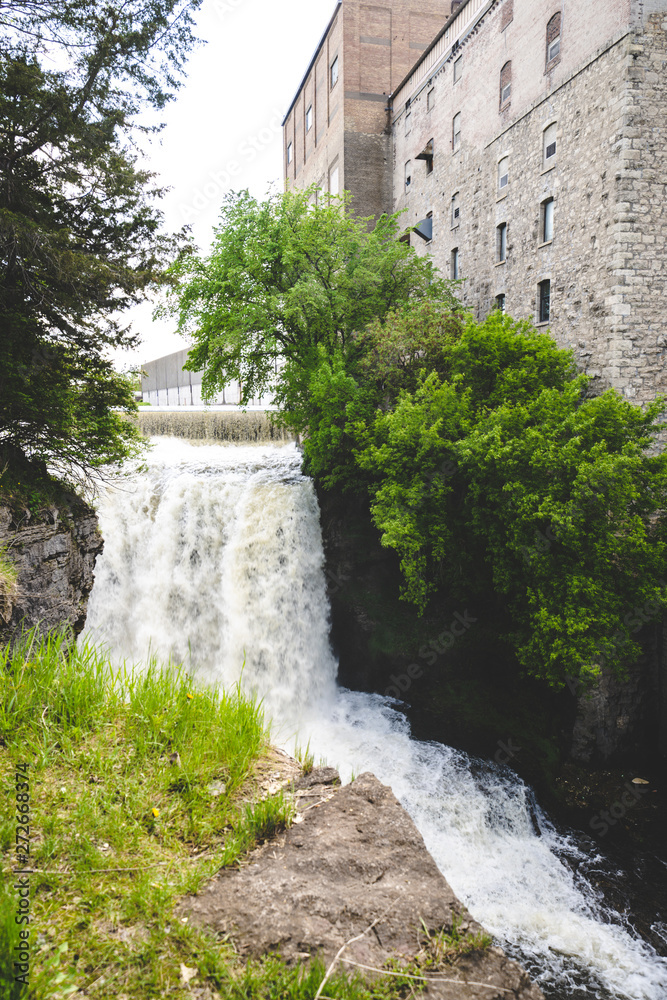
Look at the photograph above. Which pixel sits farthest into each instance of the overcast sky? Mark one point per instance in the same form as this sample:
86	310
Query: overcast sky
223	132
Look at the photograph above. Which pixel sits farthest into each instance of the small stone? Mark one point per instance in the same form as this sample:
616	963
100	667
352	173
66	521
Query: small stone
187	974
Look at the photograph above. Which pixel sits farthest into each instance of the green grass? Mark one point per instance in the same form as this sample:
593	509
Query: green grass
141	788
305	757
445	947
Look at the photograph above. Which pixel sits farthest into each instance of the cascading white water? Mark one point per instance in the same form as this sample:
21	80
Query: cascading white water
214	557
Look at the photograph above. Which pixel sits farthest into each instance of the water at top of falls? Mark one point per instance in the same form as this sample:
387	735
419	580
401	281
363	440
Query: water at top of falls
213	556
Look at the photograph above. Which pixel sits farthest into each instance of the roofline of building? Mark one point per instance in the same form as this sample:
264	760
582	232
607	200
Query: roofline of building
312	61
450	20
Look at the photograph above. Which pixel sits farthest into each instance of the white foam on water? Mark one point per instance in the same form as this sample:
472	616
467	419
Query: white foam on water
213	556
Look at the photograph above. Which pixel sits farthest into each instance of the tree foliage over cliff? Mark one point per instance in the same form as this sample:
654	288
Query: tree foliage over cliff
80	231
488	467
286	287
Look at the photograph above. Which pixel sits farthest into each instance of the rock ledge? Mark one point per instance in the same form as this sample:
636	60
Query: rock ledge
353	856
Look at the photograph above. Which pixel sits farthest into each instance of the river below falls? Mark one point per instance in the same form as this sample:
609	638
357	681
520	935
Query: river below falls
213	557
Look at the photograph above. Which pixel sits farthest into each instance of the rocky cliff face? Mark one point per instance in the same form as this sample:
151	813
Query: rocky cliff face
55	557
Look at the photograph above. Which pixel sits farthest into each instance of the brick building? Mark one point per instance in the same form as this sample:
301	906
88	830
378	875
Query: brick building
336	131
529	147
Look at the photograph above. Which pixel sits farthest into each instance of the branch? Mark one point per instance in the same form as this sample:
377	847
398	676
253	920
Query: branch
351	941
427	979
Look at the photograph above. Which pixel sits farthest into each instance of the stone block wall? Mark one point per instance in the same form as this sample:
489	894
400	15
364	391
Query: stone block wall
637	347
605	100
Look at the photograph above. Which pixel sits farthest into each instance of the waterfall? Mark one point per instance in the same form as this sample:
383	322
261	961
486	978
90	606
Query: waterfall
213	556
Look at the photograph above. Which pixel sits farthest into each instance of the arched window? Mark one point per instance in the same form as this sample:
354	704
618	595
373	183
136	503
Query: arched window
553	39
505	84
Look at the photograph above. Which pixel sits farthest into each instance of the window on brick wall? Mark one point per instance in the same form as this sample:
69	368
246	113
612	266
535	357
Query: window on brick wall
290	152
456	131
505	84
334	73
501	242
408	121
544	301
458	68
456	210
503	173
547	221
408	175
425	228
507	14
427	155
500	302
455	268
553	40
333	180
549	145
430	99
309	118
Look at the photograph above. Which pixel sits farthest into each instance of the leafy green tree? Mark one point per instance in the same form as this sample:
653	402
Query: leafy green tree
288	286
498	474
80	229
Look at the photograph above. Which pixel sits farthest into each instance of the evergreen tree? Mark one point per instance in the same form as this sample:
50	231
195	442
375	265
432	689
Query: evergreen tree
80	230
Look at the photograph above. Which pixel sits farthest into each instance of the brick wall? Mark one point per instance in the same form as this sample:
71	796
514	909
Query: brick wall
377	43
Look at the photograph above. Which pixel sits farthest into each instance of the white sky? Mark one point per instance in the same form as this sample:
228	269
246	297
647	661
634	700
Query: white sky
227	117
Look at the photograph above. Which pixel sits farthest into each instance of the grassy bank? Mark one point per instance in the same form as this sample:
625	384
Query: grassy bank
142	786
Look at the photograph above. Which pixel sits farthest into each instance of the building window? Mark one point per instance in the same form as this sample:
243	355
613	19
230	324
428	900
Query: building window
500	303
333	180
456	131
309	118
408	119
456	210
458	68
430	99
455	268
507	14
505	84
503	173
290	152
334	73
553	40
425	228
547	221
427	155
408	175
501	242
549	144
544	310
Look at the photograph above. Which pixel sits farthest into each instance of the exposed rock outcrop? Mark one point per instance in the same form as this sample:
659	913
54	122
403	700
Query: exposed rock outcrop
55	560
355	858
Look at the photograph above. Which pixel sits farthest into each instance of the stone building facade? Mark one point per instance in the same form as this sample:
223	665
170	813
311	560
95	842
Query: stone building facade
529	148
